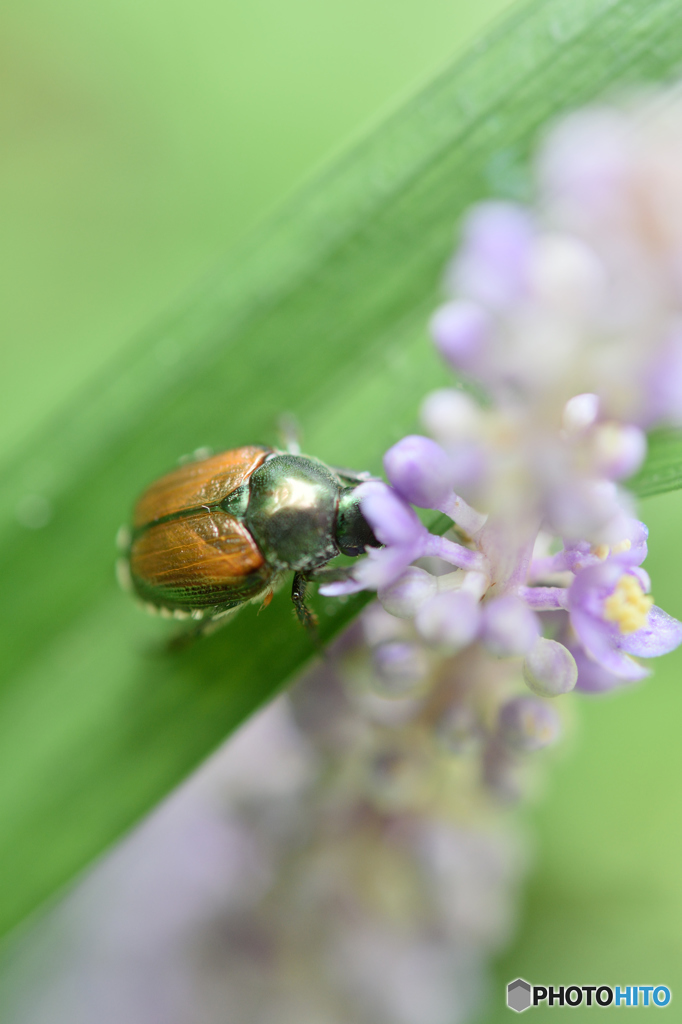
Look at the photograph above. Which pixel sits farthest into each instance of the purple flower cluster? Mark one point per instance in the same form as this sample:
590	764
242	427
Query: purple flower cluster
567	316
607	615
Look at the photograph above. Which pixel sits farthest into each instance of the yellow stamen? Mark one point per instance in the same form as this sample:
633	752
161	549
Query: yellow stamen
628	605
603	551
623	545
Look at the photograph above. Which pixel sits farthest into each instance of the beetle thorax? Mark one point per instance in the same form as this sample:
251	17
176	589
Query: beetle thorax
292	512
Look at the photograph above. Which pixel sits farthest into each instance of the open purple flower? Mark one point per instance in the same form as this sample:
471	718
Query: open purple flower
614	618
592	677
405	539
578	555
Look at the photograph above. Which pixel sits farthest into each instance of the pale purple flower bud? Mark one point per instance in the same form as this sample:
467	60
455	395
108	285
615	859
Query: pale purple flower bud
618	528
420	471
451	416
457	423
460	331
583	508
509	627
664	387
492	265
449	621
458	730
401	669
527	723
378	626
580	413
406	595
565	274
619	449
585	163
550	669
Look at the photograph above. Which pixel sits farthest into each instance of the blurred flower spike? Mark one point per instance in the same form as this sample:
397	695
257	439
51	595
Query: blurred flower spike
567	317
563	324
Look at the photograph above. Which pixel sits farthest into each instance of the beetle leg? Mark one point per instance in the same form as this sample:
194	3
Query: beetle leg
306	617
201	628
330	573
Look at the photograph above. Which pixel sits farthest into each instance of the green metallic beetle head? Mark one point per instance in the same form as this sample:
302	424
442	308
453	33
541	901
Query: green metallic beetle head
353	532
301	514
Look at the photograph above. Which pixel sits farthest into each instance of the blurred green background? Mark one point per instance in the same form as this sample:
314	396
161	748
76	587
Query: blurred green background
137	141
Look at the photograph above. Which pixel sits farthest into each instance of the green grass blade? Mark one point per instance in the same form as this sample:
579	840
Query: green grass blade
662	470
321	314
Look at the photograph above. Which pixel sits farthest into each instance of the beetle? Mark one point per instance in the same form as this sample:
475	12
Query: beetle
222	531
